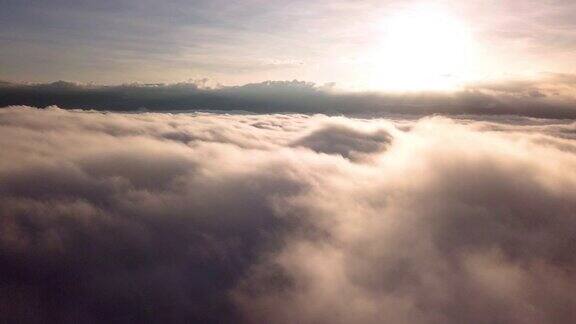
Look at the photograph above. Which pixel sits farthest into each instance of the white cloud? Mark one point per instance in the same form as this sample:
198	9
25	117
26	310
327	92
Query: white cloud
286	218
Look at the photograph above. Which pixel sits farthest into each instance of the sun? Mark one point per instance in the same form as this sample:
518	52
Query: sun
422	48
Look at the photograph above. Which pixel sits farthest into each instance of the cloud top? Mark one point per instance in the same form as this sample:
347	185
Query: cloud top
283	218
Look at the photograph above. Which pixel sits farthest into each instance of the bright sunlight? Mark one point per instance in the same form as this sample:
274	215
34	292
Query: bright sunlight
423	48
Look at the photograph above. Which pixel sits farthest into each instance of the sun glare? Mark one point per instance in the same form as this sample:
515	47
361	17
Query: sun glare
422	48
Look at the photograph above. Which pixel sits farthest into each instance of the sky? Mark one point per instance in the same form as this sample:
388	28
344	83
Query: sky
385	45
267	161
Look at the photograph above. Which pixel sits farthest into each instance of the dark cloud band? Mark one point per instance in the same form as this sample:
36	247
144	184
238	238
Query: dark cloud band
512	98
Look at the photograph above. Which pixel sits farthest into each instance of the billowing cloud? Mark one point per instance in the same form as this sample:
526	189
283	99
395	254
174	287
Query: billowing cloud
285	218
346	141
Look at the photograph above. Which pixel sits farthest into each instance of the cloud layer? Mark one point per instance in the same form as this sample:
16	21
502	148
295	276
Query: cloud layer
285	218
551	96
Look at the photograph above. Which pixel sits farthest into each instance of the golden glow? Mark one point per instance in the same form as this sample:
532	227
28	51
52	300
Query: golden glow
423	48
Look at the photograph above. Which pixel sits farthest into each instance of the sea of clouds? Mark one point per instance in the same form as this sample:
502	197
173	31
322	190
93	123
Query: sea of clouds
285	218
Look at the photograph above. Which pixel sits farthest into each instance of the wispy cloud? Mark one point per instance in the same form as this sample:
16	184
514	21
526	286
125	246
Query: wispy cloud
125	41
